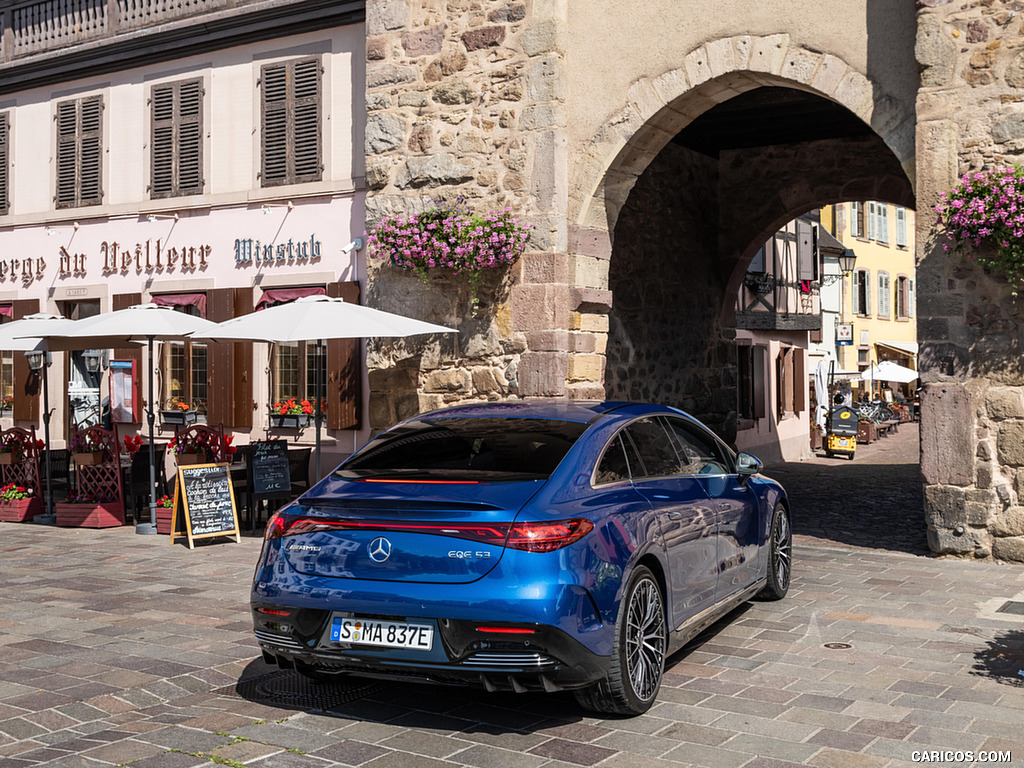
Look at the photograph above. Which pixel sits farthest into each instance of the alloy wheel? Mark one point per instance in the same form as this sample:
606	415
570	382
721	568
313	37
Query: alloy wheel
782	550
645	639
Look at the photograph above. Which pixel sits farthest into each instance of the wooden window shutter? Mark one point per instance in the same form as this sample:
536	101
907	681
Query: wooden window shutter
760	390
122	301
799	381
344	370
67	153
291	122
805	251
177	114
80	152
5	201
242	365
220	306
27	384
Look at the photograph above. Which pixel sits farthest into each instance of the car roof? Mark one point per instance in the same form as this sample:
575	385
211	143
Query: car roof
583	411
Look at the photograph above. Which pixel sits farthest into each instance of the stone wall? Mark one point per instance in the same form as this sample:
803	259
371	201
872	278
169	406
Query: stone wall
971	327
665	341
463	100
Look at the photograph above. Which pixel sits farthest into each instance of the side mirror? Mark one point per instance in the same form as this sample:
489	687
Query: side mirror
747	464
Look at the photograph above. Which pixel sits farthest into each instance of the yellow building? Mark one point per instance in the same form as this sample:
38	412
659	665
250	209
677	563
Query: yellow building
877	318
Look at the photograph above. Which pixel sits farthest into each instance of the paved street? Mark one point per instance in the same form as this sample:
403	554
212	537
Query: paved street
119	649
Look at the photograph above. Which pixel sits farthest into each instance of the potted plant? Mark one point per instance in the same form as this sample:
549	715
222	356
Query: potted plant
7	403
12	452
178	412
17	504
164	513
85	451
190	450
81	510
291	414
984	218
449	236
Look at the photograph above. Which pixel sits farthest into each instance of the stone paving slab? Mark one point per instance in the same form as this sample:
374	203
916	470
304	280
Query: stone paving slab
119	649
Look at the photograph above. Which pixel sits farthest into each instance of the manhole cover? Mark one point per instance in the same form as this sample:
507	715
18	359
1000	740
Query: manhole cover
293	690
1012	606
838	646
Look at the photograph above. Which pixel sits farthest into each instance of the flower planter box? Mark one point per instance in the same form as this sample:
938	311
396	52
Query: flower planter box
815	439
87	459
19	510
108	514
7	458
867	432
178	417
290	420
164	516
184	459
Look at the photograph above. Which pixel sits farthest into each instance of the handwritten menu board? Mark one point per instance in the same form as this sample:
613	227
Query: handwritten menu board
205	502
270	473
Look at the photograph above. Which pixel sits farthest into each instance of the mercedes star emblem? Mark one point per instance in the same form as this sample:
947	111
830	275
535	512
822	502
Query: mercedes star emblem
380	549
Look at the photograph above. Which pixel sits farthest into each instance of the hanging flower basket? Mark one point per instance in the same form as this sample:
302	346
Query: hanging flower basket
983	216
174	417
87	459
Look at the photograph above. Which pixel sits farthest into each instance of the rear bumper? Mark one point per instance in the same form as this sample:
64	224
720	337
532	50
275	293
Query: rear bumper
546	660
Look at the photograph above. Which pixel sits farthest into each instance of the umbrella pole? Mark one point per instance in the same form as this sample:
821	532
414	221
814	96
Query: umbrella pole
50	517
150	527
317	415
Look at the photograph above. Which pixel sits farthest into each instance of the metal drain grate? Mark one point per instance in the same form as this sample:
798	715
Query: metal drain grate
1012	606
291	689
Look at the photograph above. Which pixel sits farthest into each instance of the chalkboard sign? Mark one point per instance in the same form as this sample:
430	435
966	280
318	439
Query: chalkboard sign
268	462
205	502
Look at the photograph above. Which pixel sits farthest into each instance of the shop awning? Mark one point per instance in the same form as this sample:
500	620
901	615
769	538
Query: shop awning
903	347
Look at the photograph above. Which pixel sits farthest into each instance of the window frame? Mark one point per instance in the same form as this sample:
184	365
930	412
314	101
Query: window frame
901	226
189	348
861	293
857	220
290	117
81	149
884	294
176	145
902	296
882	223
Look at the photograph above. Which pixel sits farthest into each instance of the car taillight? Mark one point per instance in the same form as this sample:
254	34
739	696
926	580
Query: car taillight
548	536
529	537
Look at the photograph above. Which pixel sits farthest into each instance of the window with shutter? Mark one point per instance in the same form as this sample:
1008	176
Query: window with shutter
177	133
910	298
872	225
806	257
857	219
901	227
883	294
882	226
79	179
291	145
5	201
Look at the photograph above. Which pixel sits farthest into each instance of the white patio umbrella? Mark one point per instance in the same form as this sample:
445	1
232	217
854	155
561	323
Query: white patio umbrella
887	370
318	318
141	322
36	333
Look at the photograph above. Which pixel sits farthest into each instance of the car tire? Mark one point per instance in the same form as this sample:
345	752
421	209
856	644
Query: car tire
780	557
637	663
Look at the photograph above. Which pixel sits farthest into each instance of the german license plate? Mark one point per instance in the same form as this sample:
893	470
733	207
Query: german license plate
382	634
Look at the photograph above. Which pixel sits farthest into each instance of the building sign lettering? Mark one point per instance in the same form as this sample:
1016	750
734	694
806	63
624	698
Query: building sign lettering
152	256
249	251
27	269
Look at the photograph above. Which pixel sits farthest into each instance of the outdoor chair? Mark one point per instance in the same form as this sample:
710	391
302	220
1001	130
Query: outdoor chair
60	471
138	486
298	467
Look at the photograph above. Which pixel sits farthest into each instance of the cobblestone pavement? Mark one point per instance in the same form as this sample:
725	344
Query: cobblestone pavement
118	649
874	501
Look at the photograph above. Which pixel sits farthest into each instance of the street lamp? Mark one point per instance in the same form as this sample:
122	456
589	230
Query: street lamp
39	360
846	264
95	360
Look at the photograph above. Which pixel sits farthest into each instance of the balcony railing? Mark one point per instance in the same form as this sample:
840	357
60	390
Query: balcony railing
46	25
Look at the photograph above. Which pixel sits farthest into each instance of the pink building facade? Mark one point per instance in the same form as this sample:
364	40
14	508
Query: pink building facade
217	183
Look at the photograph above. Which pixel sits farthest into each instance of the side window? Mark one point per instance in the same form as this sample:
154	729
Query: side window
177	139
613	466
700	453
291	122
655	447
79	152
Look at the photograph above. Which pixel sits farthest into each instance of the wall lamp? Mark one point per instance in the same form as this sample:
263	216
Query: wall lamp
96	360
37	359
846	264
51	231
265	208
157	216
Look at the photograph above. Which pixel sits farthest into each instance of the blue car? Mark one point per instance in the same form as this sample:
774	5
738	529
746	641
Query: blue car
522	546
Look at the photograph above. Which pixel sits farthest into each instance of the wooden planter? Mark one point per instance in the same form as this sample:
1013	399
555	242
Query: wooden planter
815	439
87	459
108	514
184	459
7	458
164	517
867	432
177	416
19	510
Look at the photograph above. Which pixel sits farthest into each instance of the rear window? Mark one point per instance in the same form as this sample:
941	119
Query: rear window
480	449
